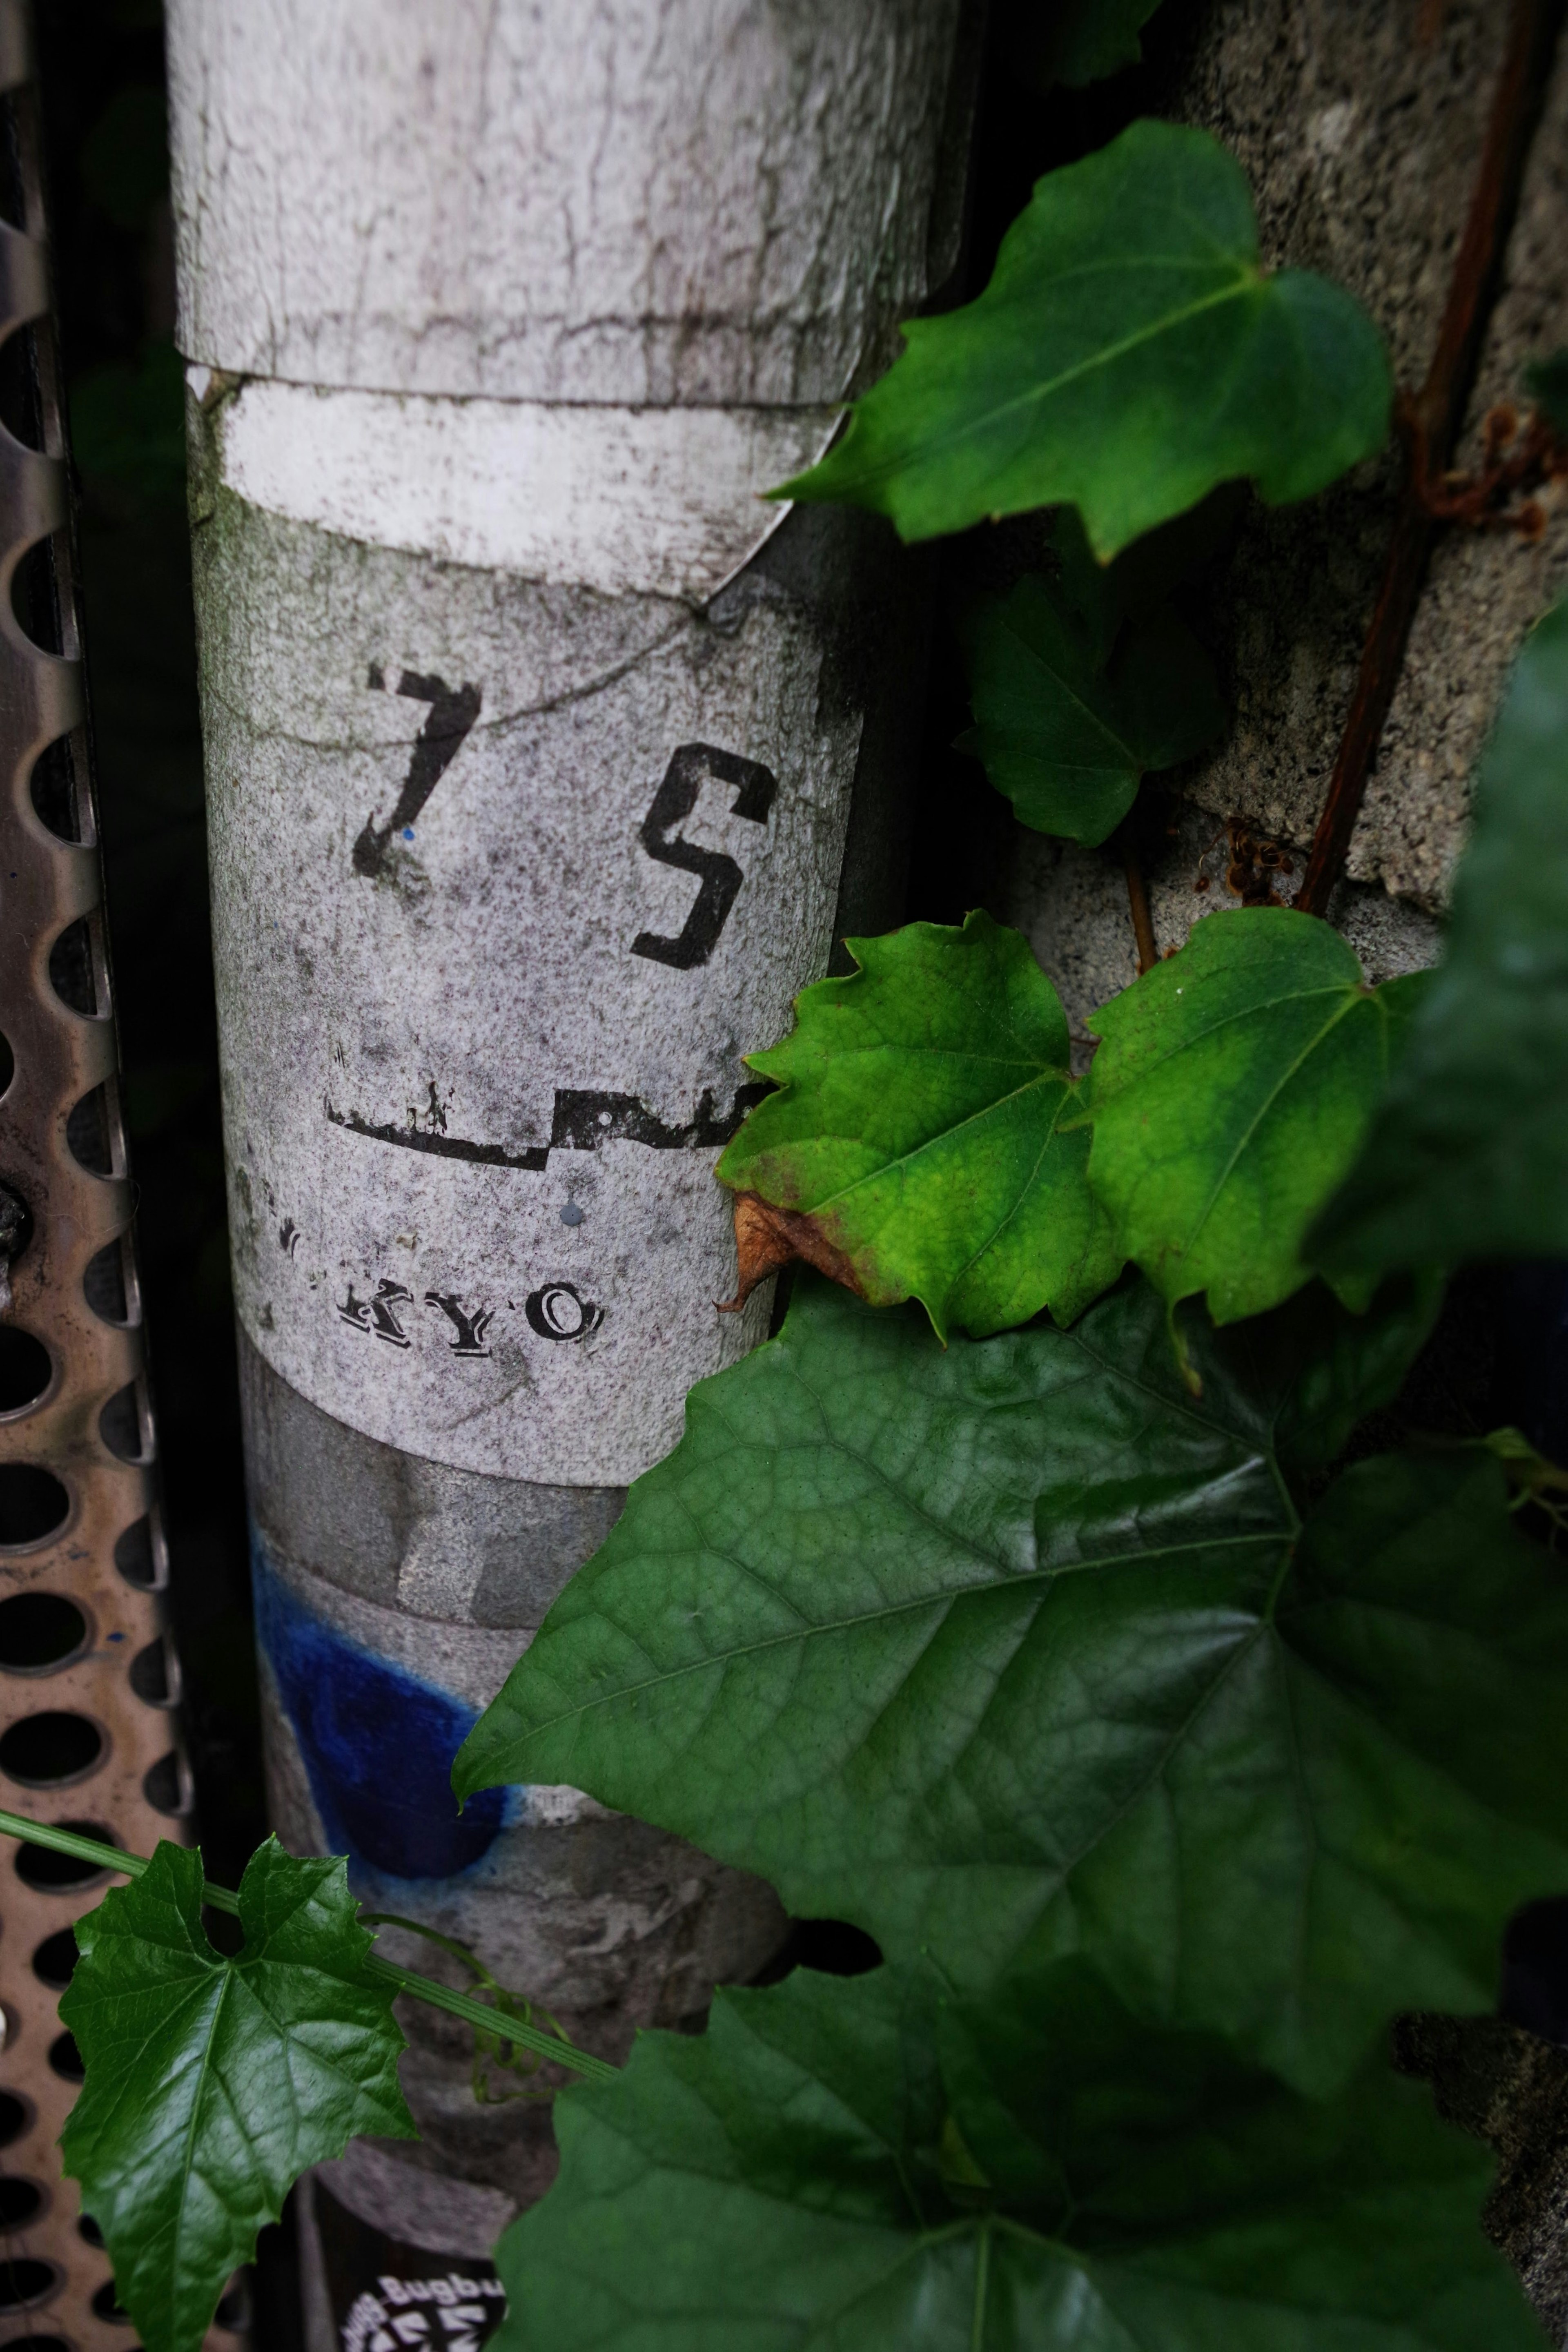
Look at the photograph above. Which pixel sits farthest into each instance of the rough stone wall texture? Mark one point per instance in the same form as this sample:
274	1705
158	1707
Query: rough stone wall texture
1484	591
1360	124
1511	2089
1362	144
1072	906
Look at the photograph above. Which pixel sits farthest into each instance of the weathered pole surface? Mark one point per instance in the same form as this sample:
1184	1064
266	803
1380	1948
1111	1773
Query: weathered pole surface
545	762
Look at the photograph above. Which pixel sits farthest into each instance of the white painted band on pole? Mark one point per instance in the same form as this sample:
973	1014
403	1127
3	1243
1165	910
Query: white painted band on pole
654	501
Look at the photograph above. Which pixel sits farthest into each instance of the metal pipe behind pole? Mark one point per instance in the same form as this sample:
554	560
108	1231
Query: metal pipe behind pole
545	761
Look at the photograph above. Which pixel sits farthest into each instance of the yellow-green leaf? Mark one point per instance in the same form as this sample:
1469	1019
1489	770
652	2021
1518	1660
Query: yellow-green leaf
924	1123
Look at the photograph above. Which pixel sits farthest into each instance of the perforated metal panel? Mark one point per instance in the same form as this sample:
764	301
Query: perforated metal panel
89	1682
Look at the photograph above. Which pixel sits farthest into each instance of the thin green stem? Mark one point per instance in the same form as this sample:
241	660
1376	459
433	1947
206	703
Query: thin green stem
982	2281
434	1936
437	1996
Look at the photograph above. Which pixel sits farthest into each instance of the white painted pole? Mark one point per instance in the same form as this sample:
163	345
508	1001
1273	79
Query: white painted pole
534	742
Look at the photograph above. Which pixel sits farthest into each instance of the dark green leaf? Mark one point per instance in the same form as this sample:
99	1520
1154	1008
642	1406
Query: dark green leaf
1162	565
920	1126
1128	355
1469	1155
1014	1649
804	2178
1067	734
1232	1091
213	2084
1546	381
1331	1368
1088	39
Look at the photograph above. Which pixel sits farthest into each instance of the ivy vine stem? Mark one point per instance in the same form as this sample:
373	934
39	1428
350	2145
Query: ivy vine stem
1431	422
1138	904
438	1996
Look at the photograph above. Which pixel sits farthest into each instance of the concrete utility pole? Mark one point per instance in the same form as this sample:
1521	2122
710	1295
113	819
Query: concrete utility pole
544	764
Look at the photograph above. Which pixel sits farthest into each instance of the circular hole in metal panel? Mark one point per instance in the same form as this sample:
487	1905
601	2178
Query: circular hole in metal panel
44	1749
33	1503
103	1283
135	1556
13	2118
104	2305
55	1960
88	2229
88	1135
66	2059
39	1631
35	597
23	2281
37	2343
71	975
163	1785
26	1369
50	1873
150	1674
120	1424
56	799
21	406
20	2201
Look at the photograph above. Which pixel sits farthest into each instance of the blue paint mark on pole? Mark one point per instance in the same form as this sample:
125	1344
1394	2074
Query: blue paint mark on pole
377	1742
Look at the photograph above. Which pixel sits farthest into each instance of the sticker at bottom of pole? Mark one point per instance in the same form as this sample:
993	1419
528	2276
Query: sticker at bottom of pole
386	2297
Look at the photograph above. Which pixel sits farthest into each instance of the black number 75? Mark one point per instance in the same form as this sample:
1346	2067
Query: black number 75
721	876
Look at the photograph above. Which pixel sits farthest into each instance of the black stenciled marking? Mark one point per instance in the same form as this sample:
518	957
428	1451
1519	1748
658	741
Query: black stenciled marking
582	1121
453	711
721	877
557	1311
533	1156
431	1119
376	1314
470	1328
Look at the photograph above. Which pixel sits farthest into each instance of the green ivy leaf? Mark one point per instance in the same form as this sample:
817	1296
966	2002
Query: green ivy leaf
1467	1157
1232	1091
1068	734
1091	39
212	2083
1147	576
920	1126
1330	1369
1129	353
1020	1648
807	2175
